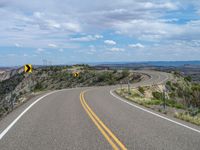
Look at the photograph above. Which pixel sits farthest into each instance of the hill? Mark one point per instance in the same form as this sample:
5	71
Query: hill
16	86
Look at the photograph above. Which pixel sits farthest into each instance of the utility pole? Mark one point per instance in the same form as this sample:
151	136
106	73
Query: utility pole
129	90
164	100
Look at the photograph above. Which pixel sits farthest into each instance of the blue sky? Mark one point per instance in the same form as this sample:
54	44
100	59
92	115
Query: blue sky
70	31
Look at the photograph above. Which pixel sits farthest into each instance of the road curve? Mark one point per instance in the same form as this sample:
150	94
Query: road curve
63	120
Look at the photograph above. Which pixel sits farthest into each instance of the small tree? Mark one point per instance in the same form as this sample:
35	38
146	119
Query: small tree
125	73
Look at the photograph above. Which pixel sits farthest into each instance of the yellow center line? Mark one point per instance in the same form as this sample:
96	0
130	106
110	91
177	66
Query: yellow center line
100	125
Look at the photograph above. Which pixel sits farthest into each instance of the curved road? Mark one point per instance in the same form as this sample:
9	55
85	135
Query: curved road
94	118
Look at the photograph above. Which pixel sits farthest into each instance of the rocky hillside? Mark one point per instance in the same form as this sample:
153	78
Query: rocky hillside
7	73
16	85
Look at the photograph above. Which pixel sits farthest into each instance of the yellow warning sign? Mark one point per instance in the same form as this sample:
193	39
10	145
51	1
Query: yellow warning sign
76	74
28	68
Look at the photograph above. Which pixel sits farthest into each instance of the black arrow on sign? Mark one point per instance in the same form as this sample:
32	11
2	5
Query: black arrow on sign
28	68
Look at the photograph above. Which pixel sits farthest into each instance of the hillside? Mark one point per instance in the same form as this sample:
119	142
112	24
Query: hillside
179	97
16	86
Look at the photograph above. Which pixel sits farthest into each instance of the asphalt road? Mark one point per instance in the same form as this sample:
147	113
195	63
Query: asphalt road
92	118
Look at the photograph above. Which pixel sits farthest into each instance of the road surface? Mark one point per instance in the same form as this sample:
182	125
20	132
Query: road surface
94	118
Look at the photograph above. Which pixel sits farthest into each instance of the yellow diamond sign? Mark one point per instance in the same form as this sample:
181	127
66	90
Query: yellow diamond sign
28	68
76	74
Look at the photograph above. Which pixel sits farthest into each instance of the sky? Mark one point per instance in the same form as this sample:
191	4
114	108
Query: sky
76	31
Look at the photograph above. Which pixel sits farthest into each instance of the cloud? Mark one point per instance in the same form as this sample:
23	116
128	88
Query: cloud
148	29
40	50
87	38
66	23
116	49
18	45
167	5
109	42
74	27
38	14
52	45
60	50
137	45
25	55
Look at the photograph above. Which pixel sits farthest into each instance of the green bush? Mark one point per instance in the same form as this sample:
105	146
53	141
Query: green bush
157	95
125	73
169	83
172	95
154	102
141	89
38	87
188	78
193	111
173	103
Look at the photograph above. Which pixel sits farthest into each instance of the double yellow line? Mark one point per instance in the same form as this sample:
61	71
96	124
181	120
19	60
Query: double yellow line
110	137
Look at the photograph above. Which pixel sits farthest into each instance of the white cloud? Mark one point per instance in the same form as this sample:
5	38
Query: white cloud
110	42
38	14
167	5
87	38
52	45
116	49
97	36
137	45
18	45
149	29
74	27
52	24
39	50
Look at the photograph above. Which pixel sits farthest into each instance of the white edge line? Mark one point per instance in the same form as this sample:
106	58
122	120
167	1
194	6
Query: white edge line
5	131
155	114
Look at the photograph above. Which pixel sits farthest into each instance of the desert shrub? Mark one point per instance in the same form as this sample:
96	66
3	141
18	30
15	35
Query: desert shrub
38	87
141	90
154	102
188	78
169	83
157	95
105	76
115	71
125	73
173	103
193	111
172	95
188	118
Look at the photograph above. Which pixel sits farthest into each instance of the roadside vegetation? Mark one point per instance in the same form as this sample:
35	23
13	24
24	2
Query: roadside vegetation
21	86
180	96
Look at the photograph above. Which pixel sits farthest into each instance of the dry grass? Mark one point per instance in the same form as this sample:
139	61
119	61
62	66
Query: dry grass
188	118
